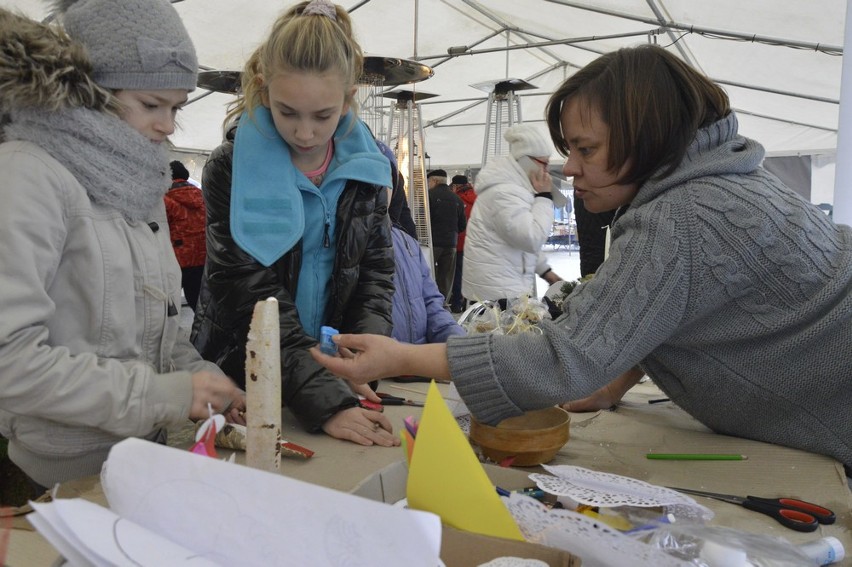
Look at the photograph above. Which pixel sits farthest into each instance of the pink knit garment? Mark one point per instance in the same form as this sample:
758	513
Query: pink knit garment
316	175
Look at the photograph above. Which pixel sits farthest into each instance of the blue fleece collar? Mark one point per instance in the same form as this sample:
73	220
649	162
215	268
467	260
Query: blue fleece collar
266	207
267	218
357	155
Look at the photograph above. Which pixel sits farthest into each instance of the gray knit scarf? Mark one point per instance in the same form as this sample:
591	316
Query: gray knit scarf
118	166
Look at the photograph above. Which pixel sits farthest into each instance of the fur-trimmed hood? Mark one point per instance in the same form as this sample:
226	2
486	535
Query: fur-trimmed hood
41	67
47	89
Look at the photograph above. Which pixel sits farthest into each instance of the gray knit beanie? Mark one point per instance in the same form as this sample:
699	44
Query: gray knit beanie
133	44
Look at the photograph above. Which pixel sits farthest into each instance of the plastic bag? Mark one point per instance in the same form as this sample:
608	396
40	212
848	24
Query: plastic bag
714	546
522	315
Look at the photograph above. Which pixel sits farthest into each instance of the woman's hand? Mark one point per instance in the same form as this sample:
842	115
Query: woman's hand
603	398
362	426
364	358
221	393
609	395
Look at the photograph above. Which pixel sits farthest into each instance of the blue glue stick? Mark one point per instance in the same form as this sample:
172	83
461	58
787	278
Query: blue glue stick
326	344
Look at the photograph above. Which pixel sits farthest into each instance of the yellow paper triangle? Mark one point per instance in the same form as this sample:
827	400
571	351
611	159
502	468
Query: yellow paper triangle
446	478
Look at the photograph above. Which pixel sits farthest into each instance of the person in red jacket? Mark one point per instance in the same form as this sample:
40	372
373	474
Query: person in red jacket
464	190
187	216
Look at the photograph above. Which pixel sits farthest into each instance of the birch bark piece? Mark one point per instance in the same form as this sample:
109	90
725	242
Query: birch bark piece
263	388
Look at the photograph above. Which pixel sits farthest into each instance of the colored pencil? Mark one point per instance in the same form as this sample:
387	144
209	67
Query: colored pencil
696	457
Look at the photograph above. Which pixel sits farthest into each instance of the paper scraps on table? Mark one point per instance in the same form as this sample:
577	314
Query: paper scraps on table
408	435
411	425
233	436
205	435
289	449
407	442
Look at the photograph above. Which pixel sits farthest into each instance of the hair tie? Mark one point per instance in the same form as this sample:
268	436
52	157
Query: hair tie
321	8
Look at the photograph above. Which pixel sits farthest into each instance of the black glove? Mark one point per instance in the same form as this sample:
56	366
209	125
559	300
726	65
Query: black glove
554	310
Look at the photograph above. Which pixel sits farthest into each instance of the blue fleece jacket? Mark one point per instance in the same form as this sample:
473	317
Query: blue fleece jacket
273	204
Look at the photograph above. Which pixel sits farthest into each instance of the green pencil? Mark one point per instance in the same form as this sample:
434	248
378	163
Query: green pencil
696	457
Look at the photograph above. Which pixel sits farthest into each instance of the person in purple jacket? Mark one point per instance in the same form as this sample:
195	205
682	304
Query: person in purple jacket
418	307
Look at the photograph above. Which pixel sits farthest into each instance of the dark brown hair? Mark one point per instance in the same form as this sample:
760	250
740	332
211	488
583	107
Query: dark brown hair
652	102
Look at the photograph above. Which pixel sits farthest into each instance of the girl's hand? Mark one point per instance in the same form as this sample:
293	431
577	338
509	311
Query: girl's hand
366	391
362	426
220	392
235	415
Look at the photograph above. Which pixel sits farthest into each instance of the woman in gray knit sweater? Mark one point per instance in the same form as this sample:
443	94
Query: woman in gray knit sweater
724	286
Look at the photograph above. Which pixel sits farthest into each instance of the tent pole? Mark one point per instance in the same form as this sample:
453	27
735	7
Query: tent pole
822	47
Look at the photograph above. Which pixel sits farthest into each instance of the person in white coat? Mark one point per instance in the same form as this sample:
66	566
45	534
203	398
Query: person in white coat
511	220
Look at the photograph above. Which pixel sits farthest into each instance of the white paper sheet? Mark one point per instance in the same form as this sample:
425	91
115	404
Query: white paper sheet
232	514
88	534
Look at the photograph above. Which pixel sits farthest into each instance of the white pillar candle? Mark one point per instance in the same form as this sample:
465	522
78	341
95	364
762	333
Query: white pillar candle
263	388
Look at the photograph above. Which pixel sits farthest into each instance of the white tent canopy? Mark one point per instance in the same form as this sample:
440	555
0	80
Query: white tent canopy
779	60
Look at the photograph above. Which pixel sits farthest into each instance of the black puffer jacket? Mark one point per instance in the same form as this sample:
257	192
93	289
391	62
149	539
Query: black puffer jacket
360	301
446	210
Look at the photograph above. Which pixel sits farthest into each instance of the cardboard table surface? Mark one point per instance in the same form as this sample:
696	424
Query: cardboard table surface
608	441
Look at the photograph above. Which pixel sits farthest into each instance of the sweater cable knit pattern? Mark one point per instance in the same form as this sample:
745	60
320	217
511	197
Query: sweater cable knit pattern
732	292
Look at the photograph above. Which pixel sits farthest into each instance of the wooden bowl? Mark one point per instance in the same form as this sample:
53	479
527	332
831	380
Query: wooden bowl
532	438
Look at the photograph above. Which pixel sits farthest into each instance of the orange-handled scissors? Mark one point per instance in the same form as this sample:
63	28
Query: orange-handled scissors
795	514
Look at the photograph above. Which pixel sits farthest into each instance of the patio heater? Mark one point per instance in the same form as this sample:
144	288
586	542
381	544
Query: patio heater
504	110
405	138
228	82
380	72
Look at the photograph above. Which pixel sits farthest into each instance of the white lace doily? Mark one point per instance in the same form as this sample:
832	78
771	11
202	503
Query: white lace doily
594	542
606	490
455	403
464	423
514	562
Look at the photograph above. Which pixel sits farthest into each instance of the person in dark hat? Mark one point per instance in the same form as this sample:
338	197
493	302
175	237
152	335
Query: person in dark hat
398	210
187	217
446	215
464	190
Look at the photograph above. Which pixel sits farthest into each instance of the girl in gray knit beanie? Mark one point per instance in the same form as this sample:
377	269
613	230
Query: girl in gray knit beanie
90	351
132	44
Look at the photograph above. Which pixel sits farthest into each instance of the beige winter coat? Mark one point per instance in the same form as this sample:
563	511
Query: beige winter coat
88	352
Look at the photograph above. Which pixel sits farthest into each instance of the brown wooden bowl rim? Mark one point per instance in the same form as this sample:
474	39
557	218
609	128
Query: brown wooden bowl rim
521	442
504	426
